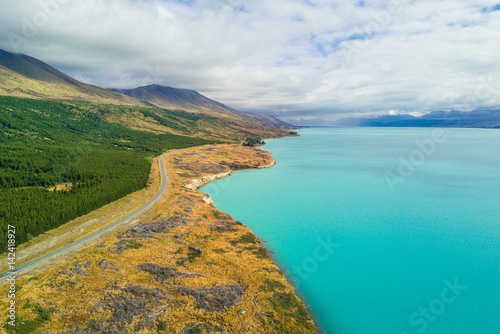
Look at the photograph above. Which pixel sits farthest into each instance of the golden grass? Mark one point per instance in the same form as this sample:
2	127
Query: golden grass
231	257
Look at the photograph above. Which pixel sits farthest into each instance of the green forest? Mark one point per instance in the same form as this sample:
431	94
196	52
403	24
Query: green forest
45	143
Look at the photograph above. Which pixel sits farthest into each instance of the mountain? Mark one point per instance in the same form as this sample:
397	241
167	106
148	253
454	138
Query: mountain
377	121
449	119
196	103
25	76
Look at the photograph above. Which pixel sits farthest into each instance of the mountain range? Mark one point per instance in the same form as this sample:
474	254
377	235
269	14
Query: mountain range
454	119
27	77
194	102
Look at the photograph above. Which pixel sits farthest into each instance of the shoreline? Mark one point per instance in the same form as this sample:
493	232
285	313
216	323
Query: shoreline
203	250
208	200
197	184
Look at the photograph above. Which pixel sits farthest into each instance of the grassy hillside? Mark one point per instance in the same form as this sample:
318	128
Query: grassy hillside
45	143
25	76
198	104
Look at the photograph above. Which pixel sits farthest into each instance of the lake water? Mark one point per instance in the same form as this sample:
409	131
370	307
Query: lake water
381	230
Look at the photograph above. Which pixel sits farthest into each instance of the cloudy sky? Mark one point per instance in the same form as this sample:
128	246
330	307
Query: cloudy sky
305	61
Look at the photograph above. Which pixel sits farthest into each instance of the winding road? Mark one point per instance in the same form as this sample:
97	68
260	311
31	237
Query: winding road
30	264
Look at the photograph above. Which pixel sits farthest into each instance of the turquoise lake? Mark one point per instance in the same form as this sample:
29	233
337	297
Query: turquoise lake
381	230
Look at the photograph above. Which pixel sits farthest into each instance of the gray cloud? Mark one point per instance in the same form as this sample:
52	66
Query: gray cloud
303	61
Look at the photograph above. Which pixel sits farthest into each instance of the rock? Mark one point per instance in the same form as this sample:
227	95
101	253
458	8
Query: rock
107	265
130	304
181	236
87	264
223	226
146	230
217	298
77	270
182	261
123	245
164	273
197	183
138	291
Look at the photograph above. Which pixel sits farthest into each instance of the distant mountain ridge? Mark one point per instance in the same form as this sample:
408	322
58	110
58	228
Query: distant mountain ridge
194	102
453	118
28	77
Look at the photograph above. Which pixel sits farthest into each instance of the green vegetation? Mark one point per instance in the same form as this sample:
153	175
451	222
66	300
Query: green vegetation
29	326
281	301
161	326
166	120
133	244
262	253
293	133
248	238
193	255
271	285
47	143
251	141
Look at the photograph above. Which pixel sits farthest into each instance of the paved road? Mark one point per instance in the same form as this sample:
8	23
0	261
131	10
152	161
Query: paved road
23	267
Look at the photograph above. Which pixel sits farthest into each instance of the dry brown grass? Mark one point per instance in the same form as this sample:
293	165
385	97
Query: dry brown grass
225	254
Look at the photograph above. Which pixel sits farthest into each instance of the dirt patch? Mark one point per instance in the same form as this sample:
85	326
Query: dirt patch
62	187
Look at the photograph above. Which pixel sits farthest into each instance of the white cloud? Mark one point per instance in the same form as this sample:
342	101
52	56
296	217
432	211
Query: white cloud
300	60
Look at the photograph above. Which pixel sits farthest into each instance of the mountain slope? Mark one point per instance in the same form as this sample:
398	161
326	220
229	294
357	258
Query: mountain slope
194	102
25	76
142	108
